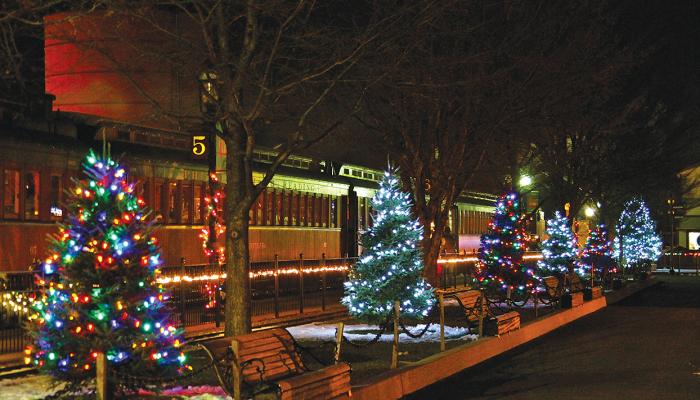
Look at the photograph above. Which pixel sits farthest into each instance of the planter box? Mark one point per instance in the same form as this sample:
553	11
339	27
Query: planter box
592	293
571	300
502	324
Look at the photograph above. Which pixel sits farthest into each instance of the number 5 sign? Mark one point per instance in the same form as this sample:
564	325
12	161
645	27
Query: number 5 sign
199	146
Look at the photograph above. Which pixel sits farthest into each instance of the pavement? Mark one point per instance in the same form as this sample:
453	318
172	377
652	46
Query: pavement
644	347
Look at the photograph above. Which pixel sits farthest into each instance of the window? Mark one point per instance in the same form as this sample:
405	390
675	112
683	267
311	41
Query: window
55	190
186	203
11	193
258	210
279	208
294	208
334	212
172	203
324	212
270	208
362	215
158	201
31	195
197	204
302	209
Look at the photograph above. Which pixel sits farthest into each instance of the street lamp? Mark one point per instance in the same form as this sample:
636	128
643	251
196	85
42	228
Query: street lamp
589	211
525	181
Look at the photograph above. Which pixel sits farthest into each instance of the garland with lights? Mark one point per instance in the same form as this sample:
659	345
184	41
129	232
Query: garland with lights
637	241
597	253
98	290
214	212
500	264
560	250
391	266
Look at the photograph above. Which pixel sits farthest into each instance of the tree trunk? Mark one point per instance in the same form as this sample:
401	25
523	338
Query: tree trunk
431	254
237	311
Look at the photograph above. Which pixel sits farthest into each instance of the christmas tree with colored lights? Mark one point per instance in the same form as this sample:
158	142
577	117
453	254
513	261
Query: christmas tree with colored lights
597	253
391	267
99	293
637	241
560	249
500	262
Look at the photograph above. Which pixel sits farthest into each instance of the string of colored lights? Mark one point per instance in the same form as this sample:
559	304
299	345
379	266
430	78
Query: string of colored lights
99	293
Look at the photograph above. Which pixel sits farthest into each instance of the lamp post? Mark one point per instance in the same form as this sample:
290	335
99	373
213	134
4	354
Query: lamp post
208	105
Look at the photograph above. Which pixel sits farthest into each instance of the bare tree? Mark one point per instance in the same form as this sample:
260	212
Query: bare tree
270	68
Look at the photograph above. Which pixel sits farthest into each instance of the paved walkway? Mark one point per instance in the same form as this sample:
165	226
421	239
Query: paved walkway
645	347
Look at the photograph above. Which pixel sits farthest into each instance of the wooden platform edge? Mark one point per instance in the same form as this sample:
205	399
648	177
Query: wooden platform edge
409	379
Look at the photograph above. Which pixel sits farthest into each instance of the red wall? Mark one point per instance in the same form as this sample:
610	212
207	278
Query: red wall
113	66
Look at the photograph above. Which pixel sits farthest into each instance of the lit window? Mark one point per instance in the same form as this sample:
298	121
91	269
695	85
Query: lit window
55	190
31	195
186	203
11	195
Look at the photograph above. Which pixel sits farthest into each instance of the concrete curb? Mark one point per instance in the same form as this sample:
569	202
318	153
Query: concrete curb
409	379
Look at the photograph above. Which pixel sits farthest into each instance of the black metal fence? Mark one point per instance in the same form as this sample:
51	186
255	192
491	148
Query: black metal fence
278	288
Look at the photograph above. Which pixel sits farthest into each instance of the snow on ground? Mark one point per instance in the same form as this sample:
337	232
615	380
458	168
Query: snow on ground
326	332
35	386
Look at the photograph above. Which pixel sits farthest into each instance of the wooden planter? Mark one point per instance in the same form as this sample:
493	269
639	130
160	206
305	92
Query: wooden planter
571	300
502	324
592	293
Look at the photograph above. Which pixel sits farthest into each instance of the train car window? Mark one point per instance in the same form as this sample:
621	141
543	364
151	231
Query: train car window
31	195
186	203
294	208
312	209
363	221
334	212
55	192
279	208
324	211
11	193
173	212
302	209
271	211
370	214
158	201
197	200
258	206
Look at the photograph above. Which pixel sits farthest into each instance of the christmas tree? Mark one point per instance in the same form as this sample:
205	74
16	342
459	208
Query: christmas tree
597	253
637	241
390	268
501	253
99	291
560	249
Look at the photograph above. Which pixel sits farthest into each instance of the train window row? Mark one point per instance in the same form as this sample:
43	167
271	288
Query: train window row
473	222
37	195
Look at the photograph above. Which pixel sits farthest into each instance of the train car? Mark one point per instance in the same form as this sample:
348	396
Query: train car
303	211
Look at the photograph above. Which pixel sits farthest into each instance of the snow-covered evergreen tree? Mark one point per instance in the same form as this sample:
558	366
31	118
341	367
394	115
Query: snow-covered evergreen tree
637	240
560	249
391	267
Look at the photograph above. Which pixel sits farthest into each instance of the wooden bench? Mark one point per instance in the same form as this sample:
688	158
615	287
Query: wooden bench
552	290
272	358
471	301
574	297
502	324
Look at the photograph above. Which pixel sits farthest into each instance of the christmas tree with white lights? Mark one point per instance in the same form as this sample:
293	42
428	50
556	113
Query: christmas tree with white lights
99	293
637	241
502	248
391	267
597	253
560	249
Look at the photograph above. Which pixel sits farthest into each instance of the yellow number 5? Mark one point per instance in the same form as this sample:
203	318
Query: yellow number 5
198	146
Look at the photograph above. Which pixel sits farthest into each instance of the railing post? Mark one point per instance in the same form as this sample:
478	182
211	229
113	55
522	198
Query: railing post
277	287
323	281
537	298
182	291
301	283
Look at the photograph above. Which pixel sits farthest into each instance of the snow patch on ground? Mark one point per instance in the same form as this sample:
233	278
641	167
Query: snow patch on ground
31	387
325	332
